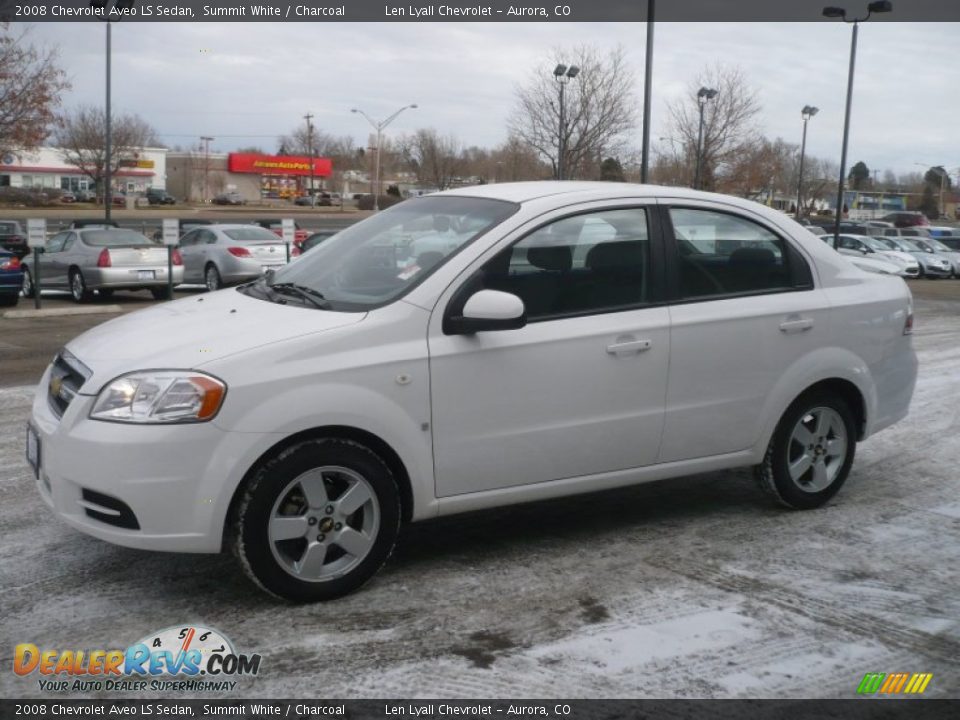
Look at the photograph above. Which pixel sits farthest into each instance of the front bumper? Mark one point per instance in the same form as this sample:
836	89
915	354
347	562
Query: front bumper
176	480
936	271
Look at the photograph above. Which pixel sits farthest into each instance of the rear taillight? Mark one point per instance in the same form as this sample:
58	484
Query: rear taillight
104	259
177	257
908	323
11	263
239	252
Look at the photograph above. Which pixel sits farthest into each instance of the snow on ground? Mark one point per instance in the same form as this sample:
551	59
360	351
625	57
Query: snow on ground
696	587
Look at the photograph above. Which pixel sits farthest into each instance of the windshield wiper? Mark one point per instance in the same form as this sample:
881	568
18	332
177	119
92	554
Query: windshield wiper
315	297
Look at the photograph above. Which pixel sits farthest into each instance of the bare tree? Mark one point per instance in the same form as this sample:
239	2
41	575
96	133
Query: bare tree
599	109
728	122
30	85
436	159
761	167
81	136
515	160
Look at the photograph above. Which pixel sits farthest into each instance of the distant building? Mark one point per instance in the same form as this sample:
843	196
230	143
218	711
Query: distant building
46	168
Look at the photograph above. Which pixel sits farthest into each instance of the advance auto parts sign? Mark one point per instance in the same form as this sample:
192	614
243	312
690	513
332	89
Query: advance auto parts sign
277	164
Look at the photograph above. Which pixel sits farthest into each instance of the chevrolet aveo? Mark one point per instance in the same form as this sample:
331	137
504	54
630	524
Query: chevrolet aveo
465	350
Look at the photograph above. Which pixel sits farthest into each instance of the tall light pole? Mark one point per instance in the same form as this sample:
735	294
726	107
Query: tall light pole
808	112
106	6
647	92
878	6
379	127
206	164
313	195
703	95
563	74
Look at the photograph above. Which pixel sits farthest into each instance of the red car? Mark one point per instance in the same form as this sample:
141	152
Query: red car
906	219
277	227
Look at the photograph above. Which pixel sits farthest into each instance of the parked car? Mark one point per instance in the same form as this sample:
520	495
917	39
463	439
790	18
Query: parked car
92	223
324	199
931	264
156	196
68	197
101	259
859	246
229	198
84	195
13	237
906	219
224	254
276	226
315	239
11	278
933	245
362	387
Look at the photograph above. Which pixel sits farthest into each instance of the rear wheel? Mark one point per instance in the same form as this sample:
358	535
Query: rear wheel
28	288
811	452
317	521
211	277
9	299
78	287
105	293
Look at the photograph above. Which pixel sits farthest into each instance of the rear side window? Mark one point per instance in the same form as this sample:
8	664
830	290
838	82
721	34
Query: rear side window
720	254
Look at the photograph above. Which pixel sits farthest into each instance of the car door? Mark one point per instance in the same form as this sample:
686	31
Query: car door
53	270
579	389
189	252
743	307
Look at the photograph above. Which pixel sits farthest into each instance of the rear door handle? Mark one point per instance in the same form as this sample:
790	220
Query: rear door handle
629	347
796	326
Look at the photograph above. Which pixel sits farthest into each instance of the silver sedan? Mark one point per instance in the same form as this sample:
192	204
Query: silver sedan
101	259
219	255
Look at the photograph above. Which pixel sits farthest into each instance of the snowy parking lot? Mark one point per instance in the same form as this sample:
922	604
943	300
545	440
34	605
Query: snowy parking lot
696	587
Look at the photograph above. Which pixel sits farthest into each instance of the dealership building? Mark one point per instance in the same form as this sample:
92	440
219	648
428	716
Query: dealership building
46	168
200	176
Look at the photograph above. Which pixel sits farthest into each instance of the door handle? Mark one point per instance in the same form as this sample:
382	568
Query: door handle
796	326
629	347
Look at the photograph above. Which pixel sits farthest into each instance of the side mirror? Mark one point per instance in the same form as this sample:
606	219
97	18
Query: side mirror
487	310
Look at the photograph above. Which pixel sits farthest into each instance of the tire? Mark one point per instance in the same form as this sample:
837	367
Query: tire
78	287
105	293
812	483
28	287
325	550
9	300
211	278
160	293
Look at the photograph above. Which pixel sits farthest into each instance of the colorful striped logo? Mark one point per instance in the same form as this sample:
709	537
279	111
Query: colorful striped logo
894	683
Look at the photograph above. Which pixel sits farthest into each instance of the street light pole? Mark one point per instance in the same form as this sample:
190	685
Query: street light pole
703	95
563	74
206	164
647	92
313	195
808	112
108	171
379	127
878	6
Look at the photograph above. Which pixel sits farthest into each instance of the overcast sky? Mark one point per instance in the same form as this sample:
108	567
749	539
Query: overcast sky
245	83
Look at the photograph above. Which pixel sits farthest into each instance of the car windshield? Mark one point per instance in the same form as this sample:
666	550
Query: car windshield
116	238
910	245
874	244
938	246
8	228
251	234
380	259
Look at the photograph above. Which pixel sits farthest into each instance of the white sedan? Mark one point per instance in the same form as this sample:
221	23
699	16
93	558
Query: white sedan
579	337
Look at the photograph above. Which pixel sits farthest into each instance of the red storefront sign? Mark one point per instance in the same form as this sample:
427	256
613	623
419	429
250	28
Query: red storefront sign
277	164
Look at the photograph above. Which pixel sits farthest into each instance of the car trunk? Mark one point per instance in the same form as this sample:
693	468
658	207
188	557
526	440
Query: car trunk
137	255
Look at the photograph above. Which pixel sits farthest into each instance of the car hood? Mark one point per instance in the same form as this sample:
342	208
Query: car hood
191	332
897	255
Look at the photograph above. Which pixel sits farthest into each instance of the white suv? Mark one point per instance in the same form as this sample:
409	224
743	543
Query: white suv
469	349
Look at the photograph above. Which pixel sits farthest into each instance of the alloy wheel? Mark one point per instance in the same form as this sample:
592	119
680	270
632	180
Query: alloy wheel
817	449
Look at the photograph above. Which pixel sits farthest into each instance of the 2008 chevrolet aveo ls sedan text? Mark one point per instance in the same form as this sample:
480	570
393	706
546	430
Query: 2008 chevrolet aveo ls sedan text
470	349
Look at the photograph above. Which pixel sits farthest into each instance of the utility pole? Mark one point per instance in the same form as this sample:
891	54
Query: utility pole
206	164
313	195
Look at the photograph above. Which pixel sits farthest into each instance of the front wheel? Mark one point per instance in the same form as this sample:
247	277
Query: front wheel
78	287
317	521
811	452
28	287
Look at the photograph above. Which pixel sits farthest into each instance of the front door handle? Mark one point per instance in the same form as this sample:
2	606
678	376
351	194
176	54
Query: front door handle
628	347
796	325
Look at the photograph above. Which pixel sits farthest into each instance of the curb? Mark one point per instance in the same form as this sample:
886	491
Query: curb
56	312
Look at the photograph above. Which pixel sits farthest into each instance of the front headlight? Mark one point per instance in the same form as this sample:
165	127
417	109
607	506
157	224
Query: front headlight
160	396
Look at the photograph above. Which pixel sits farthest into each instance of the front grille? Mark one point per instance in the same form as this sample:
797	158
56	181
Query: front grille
108	509
67	376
